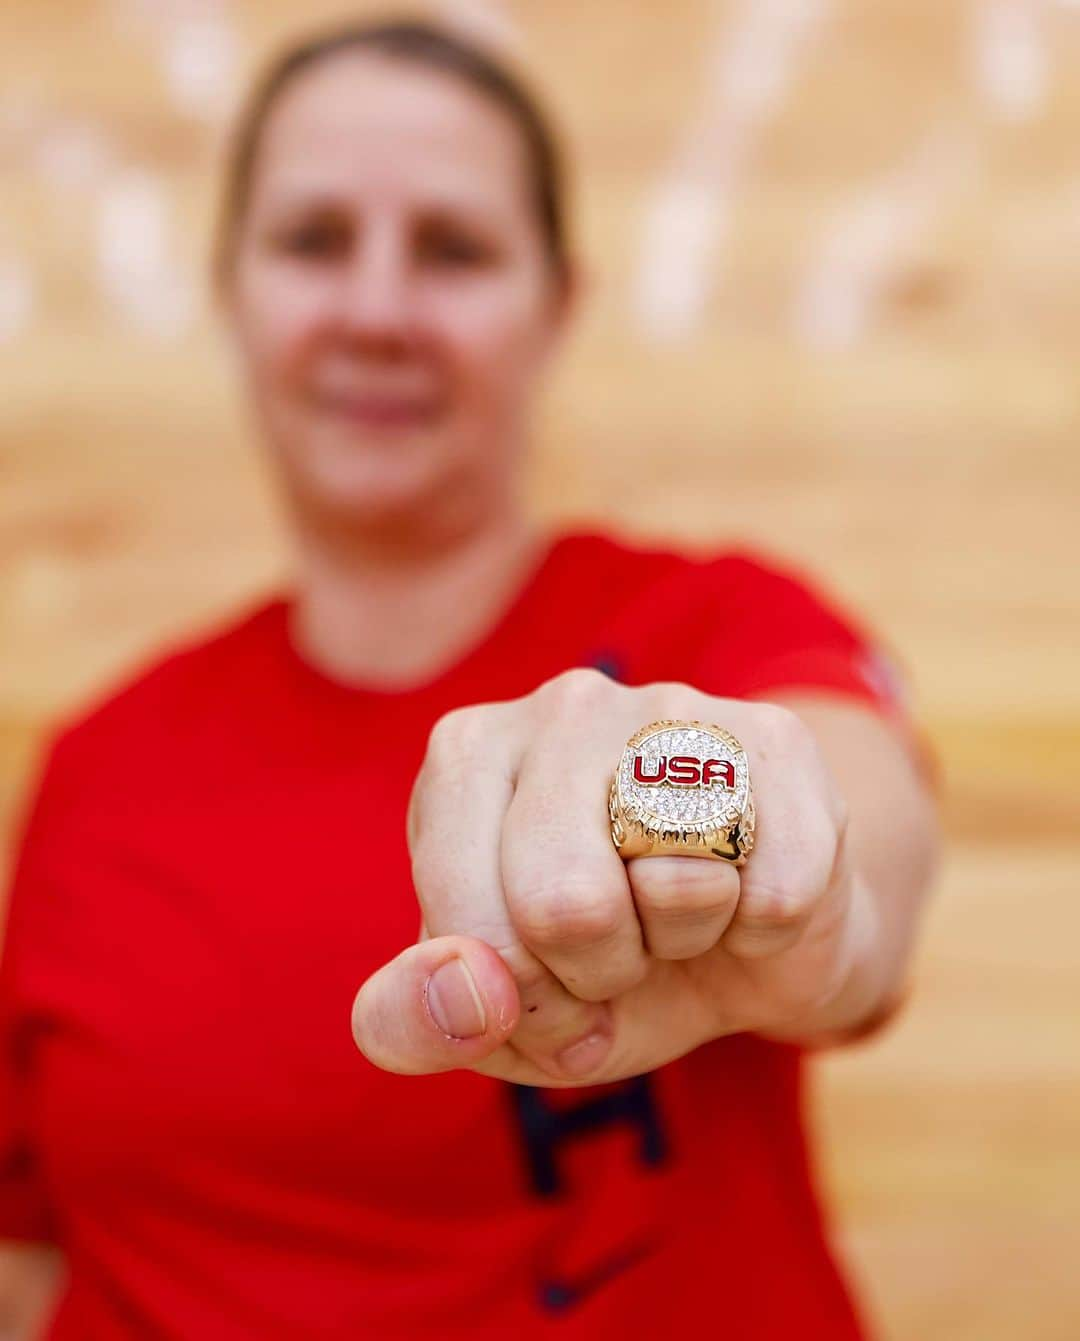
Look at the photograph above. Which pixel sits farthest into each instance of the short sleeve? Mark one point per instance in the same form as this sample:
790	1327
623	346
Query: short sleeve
25	1212
788	631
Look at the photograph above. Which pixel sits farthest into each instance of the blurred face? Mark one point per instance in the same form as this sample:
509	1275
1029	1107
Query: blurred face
391	297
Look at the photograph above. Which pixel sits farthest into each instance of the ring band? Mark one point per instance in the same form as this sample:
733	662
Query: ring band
682	788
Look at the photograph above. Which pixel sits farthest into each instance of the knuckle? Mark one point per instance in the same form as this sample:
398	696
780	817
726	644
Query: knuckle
775	907
578	686
456	732
561	913
786	903
674	698
783	724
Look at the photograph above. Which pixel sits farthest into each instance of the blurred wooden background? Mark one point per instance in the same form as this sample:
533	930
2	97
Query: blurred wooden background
835	311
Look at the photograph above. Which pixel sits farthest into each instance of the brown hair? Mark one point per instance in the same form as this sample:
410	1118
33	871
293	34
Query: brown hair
418	42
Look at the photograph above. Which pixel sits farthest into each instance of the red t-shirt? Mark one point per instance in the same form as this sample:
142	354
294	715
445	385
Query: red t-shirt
215	859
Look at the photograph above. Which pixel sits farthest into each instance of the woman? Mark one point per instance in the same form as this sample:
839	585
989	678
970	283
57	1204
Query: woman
587	1123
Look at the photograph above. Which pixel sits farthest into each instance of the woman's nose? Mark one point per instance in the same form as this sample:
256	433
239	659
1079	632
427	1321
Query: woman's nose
375	299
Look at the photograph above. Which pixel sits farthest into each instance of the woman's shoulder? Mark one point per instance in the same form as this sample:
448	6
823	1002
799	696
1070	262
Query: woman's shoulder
715	564
157	694
740	615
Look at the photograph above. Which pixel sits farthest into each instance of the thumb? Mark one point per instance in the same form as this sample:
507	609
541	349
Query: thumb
444	1003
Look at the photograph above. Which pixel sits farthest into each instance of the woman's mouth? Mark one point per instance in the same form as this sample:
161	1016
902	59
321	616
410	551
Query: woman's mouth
380	411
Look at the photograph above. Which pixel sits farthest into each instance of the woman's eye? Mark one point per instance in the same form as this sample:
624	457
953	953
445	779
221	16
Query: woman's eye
314	240
454	250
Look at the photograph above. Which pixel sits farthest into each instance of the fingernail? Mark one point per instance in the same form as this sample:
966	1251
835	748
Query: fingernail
453	1000
585	1055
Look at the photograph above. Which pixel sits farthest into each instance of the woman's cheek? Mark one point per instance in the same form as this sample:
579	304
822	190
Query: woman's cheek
495	347
282	319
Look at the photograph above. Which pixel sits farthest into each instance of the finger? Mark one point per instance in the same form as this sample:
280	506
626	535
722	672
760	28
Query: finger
684	904
456	817
796	840
566	886
448	1002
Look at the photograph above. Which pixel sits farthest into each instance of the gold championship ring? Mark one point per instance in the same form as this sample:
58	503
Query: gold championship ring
682	789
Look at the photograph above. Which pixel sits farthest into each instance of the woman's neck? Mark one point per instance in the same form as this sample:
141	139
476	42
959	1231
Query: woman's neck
395	618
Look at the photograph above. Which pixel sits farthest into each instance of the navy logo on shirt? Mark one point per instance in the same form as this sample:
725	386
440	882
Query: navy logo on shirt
544	1130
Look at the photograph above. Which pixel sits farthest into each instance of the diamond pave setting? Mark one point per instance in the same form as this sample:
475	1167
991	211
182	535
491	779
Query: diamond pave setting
666	796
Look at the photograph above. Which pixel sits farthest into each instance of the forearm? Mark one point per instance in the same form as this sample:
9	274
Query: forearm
893	841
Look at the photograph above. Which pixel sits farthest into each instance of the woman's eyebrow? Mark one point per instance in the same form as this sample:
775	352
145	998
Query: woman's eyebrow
297	199
473	214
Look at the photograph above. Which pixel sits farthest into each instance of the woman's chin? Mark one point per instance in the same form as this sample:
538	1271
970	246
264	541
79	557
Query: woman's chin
416	480
375	501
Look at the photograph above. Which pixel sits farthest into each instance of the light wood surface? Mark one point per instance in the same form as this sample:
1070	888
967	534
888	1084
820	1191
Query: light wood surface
922	461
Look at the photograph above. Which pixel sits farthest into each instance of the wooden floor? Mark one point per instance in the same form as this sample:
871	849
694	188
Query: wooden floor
835	311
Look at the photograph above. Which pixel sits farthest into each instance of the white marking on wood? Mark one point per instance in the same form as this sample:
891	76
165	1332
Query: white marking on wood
869	242
749	67
486	22
1010	56
135	267
197	45
201	59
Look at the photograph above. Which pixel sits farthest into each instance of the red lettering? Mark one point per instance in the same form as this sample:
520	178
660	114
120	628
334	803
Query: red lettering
684	771
722	768
641	776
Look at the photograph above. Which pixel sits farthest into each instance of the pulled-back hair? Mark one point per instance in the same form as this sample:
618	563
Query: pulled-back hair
417	42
